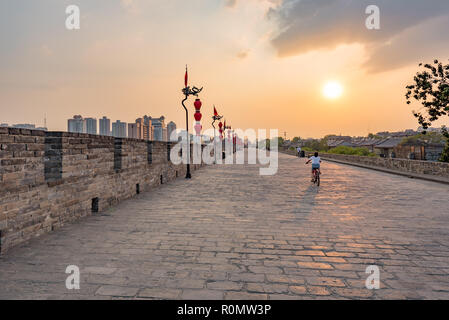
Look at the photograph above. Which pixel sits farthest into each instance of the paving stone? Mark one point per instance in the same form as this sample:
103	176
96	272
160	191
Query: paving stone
314	265
285	279
267	288
289	242
160	293
224	285
298	289
321	281
116	291
245	296
318	291
192	294
354	293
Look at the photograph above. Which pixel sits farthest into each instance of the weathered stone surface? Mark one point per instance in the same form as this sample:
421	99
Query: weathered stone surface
403	165
166	245
66	172
438	170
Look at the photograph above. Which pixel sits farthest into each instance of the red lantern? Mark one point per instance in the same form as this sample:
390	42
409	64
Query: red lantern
197	104
220	125
198	116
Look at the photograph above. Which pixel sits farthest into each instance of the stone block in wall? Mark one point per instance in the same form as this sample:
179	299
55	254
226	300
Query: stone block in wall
53	156
6	138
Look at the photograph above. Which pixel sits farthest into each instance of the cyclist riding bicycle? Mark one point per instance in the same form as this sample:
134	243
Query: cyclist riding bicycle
316	161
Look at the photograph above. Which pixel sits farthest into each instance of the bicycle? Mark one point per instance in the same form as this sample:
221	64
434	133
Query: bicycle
316	177
315	159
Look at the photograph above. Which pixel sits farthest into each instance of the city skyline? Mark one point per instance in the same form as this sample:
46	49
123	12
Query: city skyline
280	67
144	128
274	151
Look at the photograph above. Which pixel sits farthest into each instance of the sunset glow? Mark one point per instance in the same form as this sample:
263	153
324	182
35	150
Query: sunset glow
332	90
128	59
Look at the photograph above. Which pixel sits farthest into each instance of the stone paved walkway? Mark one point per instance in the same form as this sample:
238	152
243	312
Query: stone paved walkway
232	234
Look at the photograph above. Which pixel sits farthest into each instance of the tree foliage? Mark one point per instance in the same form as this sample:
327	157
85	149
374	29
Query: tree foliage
423	139
431	89
445	155
352	151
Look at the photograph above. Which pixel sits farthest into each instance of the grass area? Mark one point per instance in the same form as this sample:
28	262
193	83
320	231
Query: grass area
352	151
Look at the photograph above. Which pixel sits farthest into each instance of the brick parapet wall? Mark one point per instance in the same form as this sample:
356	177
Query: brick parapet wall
403	165
418	167
48	179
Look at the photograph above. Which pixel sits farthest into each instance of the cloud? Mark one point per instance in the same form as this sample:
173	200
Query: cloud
230	3
45	51
130	6
233	3
307	25
243	54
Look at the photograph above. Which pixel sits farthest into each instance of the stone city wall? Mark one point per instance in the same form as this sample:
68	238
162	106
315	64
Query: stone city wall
439	169
48	179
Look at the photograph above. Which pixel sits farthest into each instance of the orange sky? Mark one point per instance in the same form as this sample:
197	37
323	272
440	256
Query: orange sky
129	57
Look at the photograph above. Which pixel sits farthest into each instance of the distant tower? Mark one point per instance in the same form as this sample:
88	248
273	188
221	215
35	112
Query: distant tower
76	125
91	125
171	127
158	126
105	126
119	129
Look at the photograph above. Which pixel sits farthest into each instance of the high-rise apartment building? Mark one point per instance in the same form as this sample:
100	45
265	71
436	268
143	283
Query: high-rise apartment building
91	125
157	129
147	128
171	127
140	127
105	126
28	126
76	125
119	129
132	130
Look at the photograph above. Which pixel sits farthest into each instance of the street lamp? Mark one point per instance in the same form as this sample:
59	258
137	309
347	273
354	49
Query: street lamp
225	127
187	91
215	117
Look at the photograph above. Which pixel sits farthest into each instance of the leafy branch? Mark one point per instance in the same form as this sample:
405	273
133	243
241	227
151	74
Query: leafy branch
431	89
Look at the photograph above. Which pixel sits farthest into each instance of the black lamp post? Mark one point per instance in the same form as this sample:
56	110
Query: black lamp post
187	91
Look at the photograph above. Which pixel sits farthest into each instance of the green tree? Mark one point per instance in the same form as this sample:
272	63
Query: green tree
431	89
296	139
445	155
280	141
373	136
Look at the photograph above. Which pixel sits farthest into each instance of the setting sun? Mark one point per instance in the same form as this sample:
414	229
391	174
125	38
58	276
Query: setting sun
332	90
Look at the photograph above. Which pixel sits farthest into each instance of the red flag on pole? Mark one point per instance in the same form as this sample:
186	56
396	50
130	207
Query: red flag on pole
186	78
215	112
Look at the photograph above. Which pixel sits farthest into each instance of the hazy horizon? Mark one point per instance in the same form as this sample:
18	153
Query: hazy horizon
262	63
